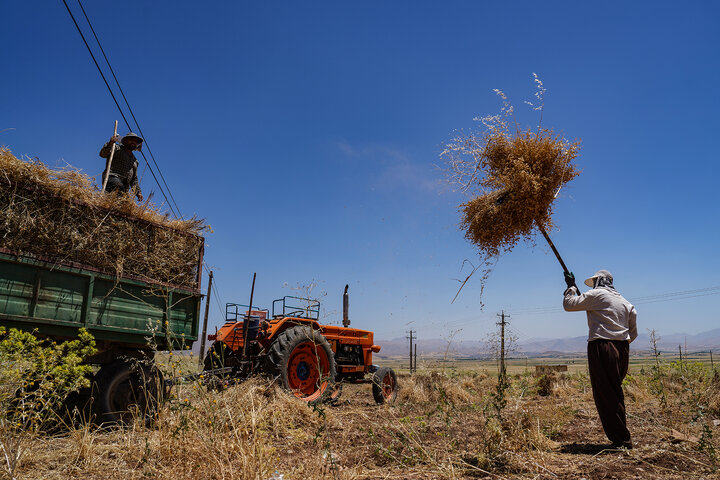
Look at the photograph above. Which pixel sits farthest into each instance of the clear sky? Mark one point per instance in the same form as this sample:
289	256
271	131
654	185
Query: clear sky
308	135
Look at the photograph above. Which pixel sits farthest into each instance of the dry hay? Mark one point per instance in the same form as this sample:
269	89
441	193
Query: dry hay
59	214
254	431
513	176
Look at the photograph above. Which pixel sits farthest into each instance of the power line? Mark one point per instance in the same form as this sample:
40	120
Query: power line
217	297
129	107
662	297
675	294
116	102
676	298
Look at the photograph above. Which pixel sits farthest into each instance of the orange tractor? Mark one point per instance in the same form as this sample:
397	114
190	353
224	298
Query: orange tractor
289	344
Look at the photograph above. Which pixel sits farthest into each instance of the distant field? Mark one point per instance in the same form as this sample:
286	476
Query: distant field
574	362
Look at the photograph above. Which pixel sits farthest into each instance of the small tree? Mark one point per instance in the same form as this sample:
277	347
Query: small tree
499	345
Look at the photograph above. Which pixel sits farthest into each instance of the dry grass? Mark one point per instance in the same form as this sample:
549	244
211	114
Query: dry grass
523	174
61	215
513	176
441	427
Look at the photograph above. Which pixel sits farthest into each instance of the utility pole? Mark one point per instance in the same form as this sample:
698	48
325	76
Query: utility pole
502	323
415	361
712	364
201	358
411	333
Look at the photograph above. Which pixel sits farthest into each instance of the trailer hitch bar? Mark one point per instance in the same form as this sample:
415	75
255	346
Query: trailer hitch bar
169	382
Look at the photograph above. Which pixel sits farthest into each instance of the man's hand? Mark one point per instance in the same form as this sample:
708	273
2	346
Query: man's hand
114	138
571	291
570	279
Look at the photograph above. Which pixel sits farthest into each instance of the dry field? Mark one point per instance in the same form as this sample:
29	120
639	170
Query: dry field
443	425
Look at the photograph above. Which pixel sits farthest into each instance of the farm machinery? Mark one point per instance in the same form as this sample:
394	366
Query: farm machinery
289	343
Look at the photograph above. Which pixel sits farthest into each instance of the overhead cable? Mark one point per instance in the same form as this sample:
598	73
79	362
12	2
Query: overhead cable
132	114
116	102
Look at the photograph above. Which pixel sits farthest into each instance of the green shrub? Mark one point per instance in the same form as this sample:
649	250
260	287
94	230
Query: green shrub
36	377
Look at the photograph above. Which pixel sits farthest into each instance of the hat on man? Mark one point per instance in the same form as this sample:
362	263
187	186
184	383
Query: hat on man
137	138
590	282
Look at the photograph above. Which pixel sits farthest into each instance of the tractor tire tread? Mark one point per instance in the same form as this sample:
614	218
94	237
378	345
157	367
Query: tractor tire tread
280	350
377	381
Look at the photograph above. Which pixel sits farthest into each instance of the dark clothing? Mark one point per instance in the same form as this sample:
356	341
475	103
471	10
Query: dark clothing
124	168
115	184
608	365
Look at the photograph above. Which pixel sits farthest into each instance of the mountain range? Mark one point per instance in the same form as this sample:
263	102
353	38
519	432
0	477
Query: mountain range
438	347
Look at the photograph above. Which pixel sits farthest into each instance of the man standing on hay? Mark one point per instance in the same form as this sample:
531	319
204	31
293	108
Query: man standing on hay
124	166
612	322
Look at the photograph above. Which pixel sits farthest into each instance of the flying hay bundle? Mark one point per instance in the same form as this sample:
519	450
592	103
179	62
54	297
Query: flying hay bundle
513	178
58	214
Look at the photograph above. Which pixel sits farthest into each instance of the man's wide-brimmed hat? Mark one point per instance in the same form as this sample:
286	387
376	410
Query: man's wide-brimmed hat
138	138
590	282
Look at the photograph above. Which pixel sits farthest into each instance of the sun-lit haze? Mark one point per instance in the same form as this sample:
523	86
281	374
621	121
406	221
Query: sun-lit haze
308	136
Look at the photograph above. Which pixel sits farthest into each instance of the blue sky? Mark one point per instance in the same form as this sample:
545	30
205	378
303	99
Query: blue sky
308	135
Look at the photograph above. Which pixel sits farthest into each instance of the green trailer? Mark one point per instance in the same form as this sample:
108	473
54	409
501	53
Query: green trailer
130	317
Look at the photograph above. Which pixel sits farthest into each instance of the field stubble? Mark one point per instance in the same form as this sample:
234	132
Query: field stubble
443	425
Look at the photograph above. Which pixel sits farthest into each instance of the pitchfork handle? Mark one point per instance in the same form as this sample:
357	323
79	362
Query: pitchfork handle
109	162
552	245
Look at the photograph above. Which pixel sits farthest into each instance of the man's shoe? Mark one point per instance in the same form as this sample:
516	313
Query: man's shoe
626	445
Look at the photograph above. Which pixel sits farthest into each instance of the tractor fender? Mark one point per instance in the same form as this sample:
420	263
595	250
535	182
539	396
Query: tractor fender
289	322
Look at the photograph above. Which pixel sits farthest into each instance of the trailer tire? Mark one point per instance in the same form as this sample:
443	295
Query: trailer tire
384	385
301	358
125	390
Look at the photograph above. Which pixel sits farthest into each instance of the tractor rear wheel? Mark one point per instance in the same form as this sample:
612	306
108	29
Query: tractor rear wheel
384	385
303	361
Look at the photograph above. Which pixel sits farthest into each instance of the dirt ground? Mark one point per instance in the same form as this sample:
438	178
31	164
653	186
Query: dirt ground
577	447
441	426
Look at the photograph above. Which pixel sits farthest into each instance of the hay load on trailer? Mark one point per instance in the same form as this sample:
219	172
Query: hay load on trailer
58	214
72	257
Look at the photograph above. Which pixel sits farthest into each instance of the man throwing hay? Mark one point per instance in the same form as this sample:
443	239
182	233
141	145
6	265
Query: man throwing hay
612	323
124	167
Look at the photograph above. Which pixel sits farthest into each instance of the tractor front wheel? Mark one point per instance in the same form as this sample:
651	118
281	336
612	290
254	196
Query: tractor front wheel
384	385
303	361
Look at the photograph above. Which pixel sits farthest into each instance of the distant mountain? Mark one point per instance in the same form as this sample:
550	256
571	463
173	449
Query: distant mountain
544	346
700	341
436	347
563	345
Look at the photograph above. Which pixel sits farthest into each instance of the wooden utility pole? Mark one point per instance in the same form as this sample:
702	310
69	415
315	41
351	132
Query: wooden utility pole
205	321
712	364
502	323
411	349
415	359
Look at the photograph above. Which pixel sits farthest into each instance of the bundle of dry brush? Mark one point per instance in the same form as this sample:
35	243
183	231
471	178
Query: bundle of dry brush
512	175
60	215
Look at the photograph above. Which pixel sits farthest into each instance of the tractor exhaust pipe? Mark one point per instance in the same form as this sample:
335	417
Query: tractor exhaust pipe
346	318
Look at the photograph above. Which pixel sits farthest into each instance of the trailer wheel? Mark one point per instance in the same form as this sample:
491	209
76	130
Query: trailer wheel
384	385
127	389
303	361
